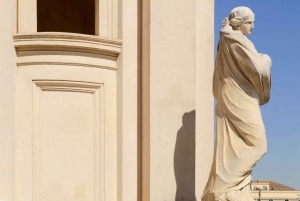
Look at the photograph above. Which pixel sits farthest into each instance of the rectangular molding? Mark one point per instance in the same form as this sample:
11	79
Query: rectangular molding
106	18
97	90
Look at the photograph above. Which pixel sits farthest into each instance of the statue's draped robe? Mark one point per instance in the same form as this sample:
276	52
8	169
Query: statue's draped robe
241	84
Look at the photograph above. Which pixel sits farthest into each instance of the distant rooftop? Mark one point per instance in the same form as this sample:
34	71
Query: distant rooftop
274	186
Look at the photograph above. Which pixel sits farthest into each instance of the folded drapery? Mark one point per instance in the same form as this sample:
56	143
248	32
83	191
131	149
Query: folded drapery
241	83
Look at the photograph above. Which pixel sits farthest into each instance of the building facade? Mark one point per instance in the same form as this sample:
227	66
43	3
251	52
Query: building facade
272	191
105	100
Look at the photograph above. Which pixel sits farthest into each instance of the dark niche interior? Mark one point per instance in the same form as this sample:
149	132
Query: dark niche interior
74	16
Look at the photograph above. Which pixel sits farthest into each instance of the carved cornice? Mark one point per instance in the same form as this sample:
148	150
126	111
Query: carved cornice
67	41
69	49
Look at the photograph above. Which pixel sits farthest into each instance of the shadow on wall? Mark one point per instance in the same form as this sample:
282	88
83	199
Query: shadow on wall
184	159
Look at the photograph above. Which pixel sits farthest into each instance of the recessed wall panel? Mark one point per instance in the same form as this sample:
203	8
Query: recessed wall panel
67	146
67	141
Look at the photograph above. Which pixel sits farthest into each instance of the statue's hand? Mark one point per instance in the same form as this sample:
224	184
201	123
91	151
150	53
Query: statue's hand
267	58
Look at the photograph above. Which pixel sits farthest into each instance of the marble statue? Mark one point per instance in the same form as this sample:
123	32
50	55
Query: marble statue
241	83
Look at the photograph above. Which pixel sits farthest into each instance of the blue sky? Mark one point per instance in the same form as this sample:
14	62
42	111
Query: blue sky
276	33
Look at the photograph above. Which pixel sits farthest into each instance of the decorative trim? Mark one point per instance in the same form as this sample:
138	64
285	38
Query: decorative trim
25	63
97	89
46	84
107	18
67	41
67	49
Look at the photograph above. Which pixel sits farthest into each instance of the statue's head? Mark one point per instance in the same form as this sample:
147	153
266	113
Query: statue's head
240	19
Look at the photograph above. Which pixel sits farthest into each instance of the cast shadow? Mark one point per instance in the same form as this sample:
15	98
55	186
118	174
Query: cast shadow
184	159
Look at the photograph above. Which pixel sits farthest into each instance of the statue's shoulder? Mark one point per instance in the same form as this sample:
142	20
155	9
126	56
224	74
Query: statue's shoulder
233	35
238	38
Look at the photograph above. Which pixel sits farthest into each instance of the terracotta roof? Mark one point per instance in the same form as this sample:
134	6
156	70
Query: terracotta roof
275	186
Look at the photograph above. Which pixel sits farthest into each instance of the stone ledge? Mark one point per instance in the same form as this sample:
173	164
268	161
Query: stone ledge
67	49
67	41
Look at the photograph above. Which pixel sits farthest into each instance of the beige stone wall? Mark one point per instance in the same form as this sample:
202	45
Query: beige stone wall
157	132
127	99
204	99
7	98
66	145
177	99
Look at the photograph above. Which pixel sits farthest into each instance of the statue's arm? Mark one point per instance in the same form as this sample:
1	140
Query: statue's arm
267	59
216	83
255	68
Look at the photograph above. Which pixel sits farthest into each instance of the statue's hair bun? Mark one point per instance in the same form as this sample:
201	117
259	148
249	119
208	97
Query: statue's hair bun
226	26
225	22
